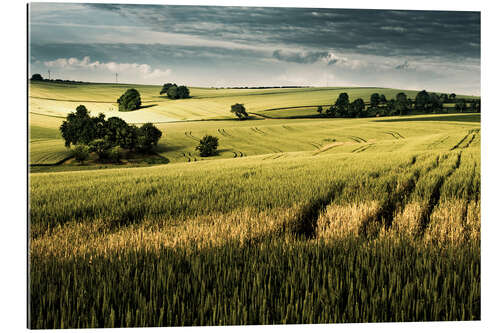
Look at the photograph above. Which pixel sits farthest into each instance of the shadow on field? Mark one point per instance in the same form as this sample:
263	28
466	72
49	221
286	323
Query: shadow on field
146	106
469	118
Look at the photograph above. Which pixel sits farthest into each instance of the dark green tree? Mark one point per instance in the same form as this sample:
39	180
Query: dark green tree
356	108
101	147
165	88
401	104
147	137
435	102
423	101
320	109
375	100
78	128
81	153
36	77
453	96
182	92
208	146
130	100
383	99
460	105
240	111
341	106
172	92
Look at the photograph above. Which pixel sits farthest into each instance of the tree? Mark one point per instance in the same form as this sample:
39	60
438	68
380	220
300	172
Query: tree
114	155
101	147
356	108
172	92
78	128
443	98
165	88
130	100
422	101
240	111
36	77
320	109
147	137
375	100
435	102
460	105
453	96
401	104
341	106
383	99
391	107
182	92
81	153
208	146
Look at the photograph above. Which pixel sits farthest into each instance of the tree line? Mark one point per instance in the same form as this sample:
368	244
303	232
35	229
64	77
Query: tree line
401	105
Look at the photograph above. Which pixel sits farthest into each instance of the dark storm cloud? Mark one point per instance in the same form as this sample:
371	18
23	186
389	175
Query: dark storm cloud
153	54
373	32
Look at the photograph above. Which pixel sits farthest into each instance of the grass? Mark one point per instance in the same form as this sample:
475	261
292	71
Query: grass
296	221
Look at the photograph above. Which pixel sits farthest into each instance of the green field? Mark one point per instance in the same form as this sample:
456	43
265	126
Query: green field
295	221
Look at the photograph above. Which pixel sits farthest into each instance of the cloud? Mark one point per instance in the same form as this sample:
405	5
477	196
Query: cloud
308	57
144	70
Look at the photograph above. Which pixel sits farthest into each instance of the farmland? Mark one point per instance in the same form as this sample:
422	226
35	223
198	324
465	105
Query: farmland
297	220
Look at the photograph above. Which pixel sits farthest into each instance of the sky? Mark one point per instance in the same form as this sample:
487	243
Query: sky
215	46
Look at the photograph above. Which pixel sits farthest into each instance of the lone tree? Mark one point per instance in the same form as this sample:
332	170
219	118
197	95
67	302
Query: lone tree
36	77
208	146
240	111
130	100
341	106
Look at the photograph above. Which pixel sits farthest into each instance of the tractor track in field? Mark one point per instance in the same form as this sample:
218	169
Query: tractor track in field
258	130
433	201
397	200
190	136
437	142
395	135
306	222
357	139
472	133
223	132
363	148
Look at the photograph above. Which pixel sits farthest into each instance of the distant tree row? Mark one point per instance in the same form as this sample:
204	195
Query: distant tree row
172	91
39	77
401	105
104	136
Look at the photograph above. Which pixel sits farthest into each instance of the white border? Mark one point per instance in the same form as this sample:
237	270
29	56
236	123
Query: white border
13	232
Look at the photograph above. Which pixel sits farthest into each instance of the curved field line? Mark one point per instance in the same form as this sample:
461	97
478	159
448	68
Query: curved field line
190	136
393	135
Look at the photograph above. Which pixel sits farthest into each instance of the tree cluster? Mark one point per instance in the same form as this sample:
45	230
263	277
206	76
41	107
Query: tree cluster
173	91
104	136
401	105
